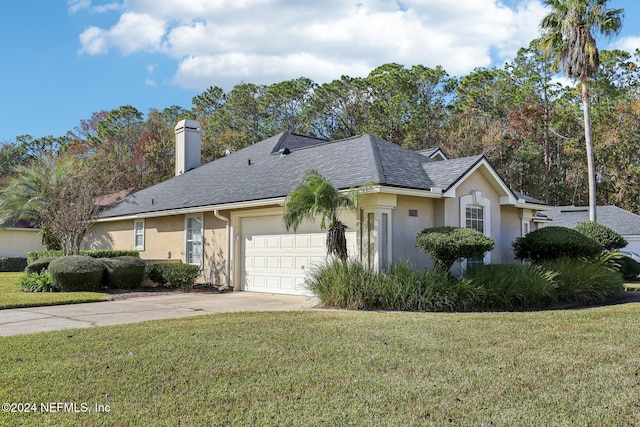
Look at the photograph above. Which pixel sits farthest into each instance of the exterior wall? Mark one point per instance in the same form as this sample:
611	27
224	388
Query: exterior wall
164	239
110	235
511	228
406	229
16	243
477	182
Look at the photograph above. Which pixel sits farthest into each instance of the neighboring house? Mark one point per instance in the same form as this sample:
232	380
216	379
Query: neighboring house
619	220
227	215
20	238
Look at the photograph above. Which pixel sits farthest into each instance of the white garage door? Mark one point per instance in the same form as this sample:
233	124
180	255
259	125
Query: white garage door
276	261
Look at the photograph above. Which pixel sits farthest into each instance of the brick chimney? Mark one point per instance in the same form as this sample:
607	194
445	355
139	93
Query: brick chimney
188	146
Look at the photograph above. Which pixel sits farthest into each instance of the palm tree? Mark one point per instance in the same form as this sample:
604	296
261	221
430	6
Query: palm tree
316	196
568	32
57	195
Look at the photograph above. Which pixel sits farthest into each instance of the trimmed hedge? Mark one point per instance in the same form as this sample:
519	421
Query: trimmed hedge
609	239
629	267
450	244
550	243
173	275
12	265
93	253
77	273
39	265
125	272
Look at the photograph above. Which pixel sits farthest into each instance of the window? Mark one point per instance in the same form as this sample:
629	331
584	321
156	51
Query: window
194	241
138	235
474	218
475	211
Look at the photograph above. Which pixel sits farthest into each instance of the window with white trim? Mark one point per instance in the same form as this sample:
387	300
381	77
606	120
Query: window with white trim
474	219
475	213
138	235
193	250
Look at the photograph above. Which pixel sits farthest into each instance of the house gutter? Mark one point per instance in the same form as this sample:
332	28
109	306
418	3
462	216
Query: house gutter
216	213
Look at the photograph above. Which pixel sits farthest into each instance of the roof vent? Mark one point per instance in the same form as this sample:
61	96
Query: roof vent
284	151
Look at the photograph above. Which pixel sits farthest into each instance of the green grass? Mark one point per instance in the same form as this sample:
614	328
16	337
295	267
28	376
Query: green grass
551	368
10	297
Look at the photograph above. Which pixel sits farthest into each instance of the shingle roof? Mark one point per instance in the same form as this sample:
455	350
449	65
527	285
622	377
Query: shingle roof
528	199
445	173
619	220
260	171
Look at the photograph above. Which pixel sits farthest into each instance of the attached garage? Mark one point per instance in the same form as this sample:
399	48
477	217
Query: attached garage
276	261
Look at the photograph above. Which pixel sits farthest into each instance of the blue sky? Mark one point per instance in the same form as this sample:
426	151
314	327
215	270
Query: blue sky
64	60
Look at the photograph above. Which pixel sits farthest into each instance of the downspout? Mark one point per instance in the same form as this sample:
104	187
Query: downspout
216	213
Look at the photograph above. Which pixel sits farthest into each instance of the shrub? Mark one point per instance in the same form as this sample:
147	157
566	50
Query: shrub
12	265
39	265
351	285
555	242
125	272
609	239
110	253
173	275
36	255
629	268
583	283
93	253
450	244
514	286
77	273
36	282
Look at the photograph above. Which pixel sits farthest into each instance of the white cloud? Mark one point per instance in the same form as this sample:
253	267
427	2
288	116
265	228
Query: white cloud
133	33
76	5
630	44
223	42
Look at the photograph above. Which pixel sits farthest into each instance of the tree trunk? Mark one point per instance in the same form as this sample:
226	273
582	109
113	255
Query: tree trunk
589	143
336	240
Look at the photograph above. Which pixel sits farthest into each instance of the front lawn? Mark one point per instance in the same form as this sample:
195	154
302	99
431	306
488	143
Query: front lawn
564	367
10	297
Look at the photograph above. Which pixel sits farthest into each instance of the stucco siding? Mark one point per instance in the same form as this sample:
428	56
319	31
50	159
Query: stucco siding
511	229
16	243
406	229
477	182
110	235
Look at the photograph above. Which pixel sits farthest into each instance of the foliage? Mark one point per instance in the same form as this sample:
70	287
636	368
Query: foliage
581	282
33	256
569	33
555	242
450	244
316	196
77	273
629	268
39	265
514	286
36	282
12	264
354	286
125	272
173	275
609	239
48	192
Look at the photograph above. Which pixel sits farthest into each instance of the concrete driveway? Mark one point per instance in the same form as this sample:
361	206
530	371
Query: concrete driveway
51	318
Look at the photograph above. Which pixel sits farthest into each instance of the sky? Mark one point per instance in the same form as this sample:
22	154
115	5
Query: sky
63	60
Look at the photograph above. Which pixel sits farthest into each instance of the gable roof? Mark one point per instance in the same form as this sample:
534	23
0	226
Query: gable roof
272	168
619	220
